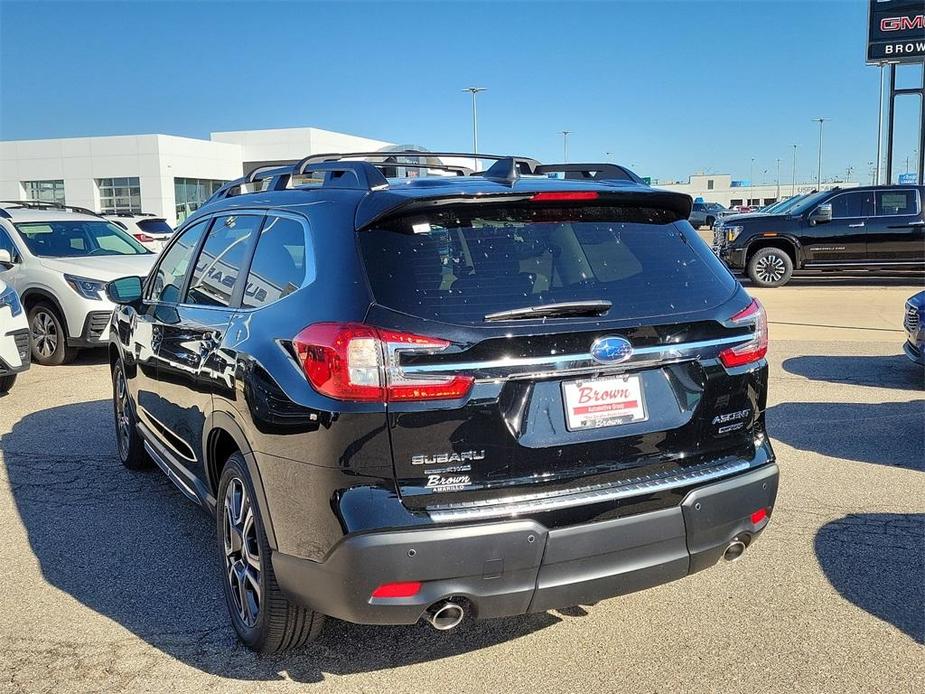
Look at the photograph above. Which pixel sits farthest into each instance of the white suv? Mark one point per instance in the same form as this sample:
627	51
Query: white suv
59	259
150	231
14	338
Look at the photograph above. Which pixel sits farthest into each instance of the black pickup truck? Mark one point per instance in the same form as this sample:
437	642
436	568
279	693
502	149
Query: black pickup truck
866	228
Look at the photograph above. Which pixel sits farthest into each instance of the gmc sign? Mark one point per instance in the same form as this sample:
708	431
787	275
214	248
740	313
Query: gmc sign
896	31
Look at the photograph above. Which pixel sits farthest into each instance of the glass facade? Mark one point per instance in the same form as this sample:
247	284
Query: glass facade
120	194
46	191
191	193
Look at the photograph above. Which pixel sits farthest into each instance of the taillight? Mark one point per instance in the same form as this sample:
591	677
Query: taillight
559	195
143	238
401	589
352	361
756	348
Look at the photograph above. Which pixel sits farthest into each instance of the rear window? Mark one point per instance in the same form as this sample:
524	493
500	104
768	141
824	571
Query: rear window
154	226
464	262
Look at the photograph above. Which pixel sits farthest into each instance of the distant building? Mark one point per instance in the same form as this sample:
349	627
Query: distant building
723	189
161	174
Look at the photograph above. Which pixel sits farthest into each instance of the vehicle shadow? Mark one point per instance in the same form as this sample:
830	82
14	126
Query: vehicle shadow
807	278
130	547
875	560
894	371
886	433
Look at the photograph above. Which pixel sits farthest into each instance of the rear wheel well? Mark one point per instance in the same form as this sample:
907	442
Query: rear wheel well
220	447
783	244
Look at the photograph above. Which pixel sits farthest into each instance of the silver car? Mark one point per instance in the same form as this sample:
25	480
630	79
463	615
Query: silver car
59	260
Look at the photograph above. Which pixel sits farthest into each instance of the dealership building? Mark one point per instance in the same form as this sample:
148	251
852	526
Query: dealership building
723	189
160	174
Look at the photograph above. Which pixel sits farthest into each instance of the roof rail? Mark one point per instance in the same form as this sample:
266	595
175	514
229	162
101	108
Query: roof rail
44	205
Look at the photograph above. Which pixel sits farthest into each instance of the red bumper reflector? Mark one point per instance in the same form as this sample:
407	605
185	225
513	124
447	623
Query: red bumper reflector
555	196
403	589
759	516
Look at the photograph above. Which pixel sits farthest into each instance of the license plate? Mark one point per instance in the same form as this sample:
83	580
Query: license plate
603	402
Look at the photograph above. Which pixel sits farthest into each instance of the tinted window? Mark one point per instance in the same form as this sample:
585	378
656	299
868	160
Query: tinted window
893	202
169	276
698	206
464	262
68	239
221	259
154	226
278	268
859	204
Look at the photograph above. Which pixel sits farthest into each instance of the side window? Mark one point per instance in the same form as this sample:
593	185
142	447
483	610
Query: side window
896	202
859	204
221	259
171	271
280	262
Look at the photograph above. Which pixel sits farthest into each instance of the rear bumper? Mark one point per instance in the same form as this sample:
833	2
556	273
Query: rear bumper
519	566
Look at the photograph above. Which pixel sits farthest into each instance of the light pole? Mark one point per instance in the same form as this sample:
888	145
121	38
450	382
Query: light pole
778	177
565	134
793	182
821	122
475	122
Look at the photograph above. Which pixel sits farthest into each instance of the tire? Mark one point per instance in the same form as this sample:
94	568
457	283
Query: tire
49	336
128	440
6	382
264	619
770	267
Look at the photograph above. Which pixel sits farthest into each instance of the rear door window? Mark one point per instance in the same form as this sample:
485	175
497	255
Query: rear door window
219	263
897	202
465	262
279	264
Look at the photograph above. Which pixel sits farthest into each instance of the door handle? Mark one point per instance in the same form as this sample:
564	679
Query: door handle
855	226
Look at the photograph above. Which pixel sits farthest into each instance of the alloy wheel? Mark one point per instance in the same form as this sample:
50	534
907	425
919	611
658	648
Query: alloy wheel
770	268
44	334
242	552
123	425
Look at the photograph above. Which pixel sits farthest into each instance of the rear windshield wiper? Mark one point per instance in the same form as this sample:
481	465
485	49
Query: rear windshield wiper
566	308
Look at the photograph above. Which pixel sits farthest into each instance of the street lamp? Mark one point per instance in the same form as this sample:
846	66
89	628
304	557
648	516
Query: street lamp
821	122
778	177
475	122
565	134
793	182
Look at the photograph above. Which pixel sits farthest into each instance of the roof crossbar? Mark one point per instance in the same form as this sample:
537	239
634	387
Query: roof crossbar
591	171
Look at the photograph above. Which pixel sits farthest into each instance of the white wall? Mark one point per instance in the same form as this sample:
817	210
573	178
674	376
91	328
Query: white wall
294	143
723	192
155	159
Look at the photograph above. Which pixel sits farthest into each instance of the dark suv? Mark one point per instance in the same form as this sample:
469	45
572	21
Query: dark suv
869	228
479	394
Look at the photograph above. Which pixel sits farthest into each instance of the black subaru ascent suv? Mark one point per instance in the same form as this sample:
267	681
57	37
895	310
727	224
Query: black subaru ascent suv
459	394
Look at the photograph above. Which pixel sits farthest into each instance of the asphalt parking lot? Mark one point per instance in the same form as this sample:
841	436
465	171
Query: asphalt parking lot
111	579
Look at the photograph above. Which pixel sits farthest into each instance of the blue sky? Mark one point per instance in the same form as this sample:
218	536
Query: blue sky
669	87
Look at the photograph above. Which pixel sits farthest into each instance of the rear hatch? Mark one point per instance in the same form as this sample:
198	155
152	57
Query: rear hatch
576	344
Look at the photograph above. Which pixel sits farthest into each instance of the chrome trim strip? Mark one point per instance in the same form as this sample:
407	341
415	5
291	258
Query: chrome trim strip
171	475
569	363
593	494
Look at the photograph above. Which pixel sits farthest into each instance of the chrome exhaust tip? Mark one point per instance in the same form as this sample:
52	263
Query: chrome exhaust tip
734	551
445	615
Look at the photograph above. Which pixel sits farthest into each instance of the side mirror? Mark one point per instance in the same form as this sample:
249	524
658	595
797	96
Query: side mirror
822	214
5	257
125	290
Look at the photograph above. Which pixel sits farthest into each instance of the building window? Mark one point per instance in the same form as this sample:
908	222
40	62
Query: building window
191	193
120	194
46	191
735	201
709	184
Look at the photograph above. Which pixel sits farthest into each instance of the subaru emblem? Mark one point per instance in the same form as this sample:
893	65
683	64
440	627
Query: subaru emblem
611	350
